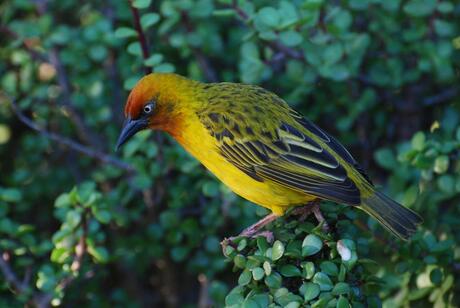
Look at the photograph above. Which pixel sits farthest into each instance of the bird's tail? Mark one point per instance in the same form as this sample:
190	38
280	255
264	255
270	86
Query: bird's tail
398	219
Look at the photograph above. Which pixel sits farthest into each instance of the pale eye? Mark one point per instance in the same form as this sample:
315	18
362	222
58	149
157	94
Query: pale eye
148	108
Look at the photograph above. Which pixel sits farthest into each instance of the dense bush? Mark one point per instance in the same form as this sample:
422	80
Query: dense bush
82	225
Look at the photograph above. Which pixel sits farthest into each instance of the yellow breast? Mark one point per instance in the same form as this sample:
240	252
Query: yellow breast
198	142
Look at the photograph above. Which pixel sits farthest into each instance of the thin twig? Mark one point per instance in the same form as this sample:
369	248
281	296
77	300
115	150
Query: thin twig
10	276
105	158
203	300
152	196
141	36
441	97
203	62
43	300
36	55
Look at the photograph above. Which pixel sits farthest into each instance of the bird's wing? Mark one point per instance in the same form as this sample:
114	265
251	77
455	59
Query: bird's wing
286	155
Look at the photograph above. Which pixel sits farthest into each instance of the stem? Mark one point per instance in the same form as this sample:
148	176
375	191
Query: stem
141	36
105	158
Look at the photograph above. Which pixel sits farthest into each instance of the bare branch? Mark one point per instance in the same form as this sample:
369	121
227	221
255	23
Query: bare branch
10	276
102	157
43	300
441	97
203	62
203	300
36	55
141	36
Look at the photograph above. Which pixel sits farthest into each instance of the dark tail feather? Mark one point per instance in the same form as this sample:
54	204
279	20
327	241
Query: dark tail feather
398	219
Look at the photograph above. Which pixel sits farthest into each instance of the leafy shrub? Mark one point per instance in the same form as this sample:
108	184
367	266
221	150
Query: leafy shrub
305	265
82	225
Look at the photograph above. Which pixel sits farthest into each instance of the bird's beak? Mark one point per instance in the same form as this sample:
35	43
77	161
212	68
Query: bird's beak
130	129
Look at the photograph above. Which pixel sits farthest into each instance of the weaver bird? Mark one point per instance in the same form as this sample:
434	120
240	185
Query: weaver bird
261	148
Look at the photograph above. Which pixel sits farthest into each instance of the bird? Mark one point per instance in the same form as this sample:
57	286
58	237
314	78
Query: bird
260	147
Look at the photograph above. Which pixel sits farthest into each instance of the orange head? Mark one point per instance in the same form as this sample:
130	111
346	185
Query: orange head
158	101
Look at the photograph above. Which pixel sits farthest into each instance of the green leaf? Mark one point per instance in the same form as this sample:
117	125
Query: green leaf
269	16
267	268
211	189
73	218
446	183
100	254
341	288
124	32
309	268
311	245
149	19
258	273
385	158
141	4
10	195
324	282
5	134
102	215
165	68
418	141
410	195
343	302
441	164
235	297
420	8
290	38
154	59
240	261
329	268
290	270
245	277
443	28
312	4
135	49
311	291
262	244
277	250
274	280
224	13
436	276
60	255
332	53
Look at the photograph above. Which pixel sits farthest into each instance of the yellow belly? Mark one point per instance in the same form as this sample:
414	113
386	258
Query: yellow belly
197	141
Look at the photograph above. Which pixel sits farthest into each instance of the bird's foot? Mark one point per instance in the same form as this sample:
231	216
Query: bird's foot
306	210
231	240
252	232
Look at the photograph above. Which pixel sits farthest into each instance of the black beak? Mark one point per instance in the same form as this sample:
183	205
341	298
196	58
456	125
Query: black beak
130	129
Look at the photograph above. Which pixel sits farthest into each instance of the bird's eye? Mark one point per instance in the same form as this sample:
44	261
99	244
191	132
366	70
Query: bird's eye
148	108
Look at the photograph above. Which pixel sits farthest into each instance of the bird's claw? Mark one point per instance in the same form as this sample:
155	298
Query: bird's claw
230	240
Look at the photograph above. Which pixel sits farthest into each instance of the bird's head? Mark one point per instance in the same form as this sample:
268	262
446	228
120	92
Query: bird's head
158	101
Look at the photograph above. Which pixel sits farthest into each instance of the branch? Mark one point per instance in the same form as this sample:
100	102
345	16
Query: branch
43	300
141	36
203	62
440	98
203	300
10	276
36	55
102	157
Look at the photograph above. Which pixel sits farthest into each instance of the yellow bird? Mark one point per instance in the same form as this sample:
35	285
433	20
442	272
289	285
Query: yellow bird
257	145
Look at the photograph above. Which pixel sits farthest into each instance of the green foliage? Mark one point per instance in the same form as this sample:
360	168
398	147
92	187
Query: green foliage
81	225
304	266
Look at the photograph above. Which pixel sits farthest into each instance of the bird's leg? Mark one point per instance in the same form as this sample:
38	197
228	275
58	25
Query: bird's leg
253	231
311	207
255	228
